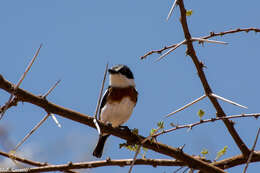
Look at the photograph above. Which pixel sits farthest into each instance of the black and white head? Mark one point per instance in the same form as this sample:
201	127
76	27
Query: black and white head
121	76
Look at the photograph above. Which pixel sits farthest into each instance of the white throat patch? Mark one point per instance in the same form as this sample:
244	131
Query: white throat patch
119	80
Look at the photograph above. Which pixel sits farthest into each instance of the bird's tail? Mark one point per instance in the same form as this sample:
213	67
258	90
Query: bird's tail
100	145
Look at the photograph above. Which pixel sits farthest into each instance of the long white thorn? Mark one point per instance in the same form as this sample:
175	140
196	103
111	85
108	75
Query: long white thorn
55	120
187	105
209	41
171	10
229	101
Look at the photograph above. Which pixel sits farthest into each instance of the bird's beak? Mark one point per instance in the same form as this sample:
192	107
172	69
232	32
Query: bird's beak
112	71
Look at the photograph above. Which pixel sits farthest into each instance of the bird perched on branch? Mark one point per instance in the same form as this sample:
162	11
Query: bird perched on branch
117	103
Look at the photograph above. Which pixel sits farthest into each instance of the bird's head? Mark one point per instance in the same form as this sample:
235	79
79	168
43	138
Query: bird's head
121	76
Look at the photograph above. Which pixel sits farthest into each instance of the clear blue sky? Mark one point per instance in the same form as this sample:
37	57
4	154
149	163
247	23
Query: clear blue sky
80	37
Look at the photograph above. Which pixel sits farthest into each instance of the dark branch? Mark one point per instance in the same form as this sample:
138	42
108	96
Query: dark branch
49	107
236	160
27	161
220	112
224	164
102	163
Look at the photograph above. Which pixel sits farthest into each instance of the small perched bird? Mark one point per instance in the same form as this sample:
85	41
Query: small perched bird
117	103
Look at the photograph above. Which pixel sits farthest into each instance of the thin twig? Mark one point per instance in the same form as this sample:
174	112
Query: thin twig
101	92
157	51
14	102
186	169
95	164
172	49
212	34
23	160
51	89
236	160
190	126
139	147
252	151
28	67
184	42
31	132
99	100
171	10
228	101
26	161
187	105
177	170
19	82
134	159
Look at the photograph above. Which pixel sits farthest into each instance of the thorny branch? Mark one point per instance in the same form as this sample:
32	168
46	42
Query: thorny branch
6	106
190	126
212	34
236	160
94	164
41	122
49	107
31	132
23	160
208	91
252	151
26	161
138	149
185	160
44	167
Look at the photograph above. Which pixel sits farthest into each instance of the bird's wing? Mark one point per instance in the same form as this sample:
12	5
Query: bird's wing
103	102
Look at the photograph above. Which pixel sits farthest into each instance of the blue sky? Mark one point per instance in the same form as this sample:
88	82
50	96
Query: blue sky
80	37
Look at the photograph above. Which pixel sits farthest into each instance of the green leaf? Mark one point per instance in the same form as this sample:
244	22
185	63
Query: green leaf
160	124
152	132
188	12
132	147
201	113
204	152
221	152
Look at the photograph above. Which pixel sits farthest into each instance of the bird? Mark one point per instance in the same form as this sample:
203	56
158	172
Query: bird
117	102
